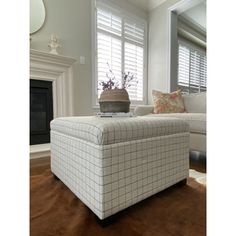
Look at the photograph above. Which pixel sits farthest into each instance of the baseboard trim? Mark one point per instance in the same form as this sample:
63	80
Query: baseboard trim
40	150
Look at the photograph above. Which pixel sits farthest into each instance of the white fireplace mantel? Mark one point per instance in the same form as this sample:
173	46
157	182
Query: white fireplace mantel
59	70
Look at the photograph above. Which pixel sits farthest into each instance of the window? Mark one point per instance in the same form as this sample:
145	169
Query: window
192	69
120	46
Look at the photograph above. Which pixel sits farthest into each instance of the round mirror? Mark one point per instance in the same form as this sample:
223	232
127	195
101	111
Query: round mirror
37	15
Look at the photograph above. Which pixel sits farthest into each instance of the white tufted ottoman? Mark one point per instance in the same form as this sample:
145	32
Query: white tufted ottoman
113	163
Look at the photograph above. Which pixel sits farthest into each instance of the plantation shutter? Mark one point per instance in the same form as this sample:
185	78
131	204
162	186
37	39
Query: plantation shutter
134	31
108	21
133	59
109	46
192	73
120	47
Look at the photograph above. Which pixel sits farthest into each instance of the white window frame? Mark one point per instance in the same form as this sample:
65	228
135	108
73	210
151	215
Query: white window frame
95	103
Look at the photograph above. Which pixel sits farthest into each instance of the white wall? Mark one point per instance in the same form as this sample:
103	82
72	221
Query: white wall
197	15
158	49
71	22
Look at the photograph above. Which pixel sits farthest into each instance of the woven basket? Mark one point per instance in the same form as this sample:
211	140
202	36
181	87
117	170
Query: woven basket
114	100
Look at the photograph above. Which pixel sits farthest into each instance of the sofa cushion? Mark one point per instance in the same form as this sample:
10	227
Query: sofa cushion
143	110
167	102
197	121
195	102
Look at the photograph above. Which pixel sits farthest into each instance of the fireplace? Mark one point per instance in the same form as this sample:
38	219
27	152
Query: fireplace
56	70
41	111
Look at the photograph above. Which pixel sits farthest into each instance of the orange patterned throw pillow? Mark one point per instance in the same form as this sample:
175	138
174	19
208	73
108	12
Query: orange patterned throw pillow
168	102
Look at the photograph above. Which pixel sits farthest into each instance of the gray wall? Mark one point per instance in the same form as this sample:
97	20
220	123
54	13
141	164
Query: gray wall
158	49
70	20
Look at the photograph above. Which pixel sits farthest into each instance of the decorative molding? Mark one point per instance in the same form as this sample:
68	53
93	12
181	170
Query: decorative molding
154	3
146	5
184	5
59	70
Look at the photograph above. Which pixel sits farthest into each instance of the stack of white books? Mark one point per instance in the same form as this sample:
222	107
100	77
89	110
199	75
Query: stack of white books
115	114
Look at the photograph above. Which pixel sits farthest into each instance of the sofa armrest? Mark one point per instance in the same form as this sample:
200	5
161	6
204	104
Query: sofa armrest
143	110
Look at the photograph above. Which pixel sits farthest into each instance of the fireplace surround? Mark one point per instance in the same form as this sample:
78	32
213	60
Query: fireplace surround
58	70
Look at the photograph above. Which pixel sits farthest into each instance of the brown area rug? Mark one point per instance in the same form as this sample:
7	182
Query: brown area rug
177	211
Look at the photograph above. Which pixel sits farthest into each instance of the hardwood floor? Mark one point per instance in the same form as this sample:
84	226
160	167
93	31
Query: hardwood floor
39	165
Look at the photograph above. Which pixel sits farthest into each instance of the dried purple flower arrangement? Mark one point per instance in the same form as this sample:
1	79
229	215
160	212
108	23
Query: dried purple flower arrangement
112	83
114	97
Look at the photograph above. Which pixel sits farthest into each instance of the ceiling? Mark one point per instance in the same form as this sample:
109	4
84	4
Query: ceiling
146	5
196	15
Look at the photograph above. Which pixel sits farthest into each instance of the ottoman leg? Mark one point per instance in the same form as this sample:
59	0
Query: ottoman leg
107	221
55	176
182	182
103	223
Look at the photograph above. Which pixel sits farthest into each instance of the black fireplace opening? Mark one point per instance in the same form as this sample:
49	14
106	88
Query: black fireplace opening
41	111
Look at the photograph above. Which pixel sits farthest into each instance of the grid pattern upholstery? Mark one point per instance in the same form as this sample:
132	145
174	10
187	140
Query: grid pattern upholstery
103	131
109	178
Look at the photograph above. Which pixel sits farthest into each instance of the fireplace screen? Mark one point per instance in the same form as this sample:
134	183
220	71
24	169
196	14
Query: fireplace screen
41	111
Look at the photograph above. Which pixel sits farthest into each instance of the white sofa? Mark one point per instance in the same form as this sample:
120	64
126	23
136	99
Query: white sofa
195	115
